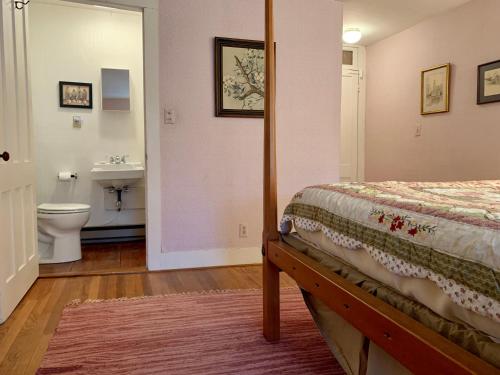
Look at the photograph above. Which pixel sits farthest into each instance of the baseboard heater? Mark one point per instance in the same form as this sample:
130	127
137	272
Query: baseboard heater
112	234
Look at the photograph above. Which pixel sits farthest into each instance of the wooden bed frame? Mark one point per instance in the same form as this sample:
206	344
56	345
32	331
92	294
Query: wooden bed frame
417	347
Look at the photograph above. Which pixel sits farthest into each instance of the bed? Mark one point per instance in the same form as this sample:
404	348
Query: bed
435	245
438	243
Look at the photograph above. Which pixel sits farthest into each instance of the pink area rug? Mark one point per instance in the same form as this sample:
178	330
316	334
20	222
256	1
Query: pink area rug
181	334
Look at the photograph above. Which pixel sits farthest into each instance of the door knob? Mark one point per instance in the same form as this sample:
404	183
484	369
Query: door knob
5	156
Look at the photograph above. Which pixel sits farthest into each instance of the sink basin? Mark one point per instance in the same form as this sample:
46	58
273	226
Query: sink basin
117	175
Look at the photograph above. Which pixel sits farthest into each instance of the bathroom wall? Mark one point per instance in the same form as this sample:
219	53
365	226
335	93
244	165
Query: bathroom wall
72	42
462	144
212	167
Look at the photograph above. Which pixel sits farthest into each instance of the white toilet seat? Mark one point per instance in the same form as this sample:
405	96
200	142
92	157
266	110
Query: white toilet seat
62	208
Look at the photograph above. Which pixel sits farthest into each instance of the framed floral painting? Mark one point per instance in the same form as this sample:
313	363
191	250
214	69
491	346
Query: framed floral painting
435	90
239	78
488	82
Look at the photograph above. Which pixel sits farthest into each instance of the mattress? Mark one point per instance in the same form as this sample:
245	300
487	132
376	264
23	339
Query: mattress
346	342
436	243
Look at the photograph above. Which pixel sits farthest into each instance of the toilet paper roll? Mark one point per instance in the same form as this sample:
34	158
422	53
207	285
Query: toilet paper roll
64	176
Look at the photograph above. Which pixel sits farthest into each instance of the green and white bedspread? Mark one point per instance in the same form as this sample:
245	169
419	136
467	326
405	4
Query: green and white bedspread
447	232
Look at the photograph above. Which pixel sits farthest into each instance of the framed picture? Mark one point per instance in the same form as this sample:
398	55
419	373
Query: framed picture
239	78
488	82
75	95
435	90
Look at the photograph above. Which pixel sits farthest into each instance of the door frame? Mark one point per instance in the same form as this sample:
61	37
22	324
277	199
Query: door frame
359	67
152	120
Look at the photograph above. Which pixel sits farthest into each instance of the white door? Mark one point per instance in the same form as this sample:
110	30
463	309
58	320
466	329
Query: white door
18	244
349	132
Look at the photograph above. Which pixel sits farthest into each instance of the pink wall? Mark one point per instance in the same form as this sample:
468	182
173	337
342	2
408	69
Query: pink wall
212	167
460	145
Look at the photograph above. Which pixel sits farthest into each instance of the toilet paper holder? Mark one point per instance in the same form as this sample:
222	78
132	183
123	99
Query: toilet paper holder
65	176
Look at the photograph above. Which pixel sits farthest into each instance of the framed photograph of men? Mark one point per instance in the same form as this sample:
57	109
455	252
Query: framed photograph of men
75	95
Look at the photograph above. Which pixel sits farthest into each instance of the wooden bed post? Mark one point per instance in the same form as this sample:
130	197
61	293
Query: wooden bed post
271	282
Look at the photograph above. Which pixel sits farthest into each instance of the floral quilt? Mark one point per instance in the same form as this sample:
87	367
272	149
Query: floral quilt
448	232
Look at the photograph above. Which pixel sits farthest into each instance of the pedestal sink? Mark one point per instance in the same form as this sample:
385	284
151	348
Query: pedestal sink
119	175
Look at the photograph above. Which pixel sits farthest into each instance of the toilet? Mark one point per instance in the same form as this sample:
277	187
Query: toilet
59	227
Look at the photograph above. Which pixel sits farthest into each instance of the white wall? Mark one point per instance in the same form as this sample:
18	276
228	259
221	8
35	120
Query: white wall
72	42
212	167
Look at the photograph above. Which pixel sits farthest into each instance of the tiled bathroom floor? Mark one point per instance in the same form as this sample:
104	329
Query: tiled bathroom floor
100	259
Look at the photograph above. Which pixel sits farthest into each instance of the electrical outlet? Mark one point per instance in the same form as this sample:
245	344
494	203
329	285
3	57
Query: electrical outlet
243	231
170	117
418	130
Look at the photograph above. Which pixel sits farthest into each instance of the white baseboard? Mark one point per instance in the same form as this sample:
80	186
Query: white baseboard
207	258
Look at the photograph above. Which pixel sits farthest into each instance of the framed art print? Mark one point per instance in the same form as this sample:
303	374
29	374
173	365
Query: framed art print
75	95
435	90
488	82
239	78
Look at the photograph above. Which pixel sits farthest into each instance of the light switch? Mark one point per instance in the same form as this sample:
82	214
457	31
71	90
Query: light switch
418	130
77	122
170	117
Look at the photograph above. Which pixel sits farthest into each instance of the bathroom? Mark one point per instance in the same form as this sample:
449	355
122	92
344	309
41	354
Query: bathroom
88	122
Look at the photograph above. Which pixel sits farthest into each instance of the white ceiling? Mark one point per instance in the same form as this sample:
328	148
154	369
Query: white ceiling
379	19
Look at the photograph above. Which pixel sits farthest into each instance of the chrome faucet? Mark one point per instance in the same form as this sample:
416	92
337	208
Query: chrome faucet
117	159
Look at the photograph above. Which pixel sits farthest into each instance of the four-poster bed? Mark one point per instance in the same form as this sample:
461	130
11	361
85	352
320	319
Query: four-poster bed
417	347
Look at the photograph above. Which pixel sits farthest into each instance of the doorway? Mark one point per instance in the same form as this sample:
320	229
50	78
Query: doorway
91	138
352	112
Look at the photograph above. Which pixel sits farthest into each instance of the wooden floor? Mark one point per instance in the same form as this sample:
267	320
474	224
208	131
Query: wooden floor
98	259
25	335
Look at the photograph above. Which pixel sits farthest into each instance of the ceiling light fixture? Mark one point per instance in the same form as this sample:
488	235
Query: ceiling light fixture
351	36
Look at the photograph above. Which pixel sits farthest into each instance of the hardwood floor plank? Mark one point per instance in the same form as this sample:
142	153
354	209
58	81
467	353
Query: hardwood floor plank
22	350
46	269
111	290
66	290
161	283
147	285
38	353
94	287
12	327
99	259
132	255
134	286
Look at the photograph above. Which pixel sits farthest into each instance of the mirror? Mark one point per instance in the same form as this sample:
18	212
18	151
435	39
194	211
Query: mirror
115	89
